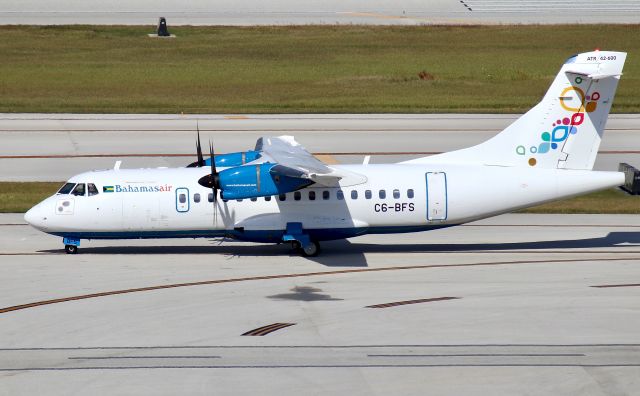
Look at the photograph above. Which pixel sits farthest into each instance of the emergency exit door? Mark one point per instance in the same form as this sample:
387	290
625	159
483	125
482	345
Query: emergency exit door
436	196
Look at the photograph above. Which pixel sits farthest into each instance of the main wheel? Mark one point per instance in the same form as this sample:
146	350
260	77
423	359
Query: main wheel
311	250
71	249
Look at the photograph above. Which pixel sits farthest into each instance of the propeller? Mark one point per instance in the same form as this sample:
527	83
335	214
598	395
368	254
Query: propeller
200	162
212	181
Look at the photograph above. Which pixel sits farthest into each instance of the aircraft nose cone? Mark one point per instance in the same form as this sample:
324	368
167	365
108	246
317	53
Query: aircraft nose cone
35	217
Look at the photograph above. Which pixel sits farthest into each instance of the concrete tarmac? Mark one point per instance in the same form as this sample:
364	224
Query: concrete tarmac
518	304
54	147
289	12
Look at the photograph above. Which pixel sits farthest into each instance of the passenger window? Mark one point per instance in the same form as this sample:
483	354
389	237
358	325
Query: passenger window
340	195
210	197
382	194
182	198
196	197
92	189
410	193
297	195
367	194
282	197
66	189
267	198
396	194
254	199
79	190
312	195
326	195
354	194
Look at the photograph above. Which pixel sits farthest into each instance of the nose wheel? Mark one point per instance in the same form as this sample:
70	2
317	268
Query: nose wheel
71	245
71	249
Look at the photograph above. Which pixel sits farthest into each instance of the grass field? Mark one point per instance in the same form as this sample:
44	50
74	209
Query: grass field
308	69
19	197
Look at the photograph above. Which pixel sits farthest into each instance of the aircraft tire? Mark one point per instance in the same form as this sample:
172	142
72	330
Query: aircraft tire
311	250
71	249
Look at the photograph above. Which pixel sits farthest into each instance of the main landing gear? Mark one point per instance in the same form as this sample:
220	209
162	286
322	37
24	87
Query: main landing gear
300	240
311	249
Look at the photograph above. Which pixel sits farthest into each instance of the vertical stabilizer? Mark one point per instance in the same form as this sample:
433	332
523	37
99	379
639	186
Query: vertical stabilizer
564	130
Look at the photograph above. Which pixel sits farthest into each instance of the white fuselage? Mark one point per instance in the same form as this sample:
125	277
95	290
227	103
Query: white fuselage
152	203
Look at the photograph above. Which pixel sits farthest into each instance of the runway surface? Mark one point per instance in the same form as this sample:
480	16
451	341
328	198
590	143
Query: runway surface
54	147
288	12
518	304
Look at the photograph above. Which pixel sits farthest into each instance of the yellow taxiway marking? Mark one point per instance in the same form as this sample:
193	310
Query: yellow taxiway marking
327	159
236	117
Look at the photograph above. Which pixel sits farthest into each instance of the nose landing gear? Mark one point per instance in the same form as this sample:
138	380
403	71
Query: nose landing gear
71	245
71	249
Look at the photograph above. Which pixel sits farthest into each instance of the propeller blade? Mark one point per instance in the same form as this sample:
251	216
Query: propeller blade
200	162
213	159
199	148
214	183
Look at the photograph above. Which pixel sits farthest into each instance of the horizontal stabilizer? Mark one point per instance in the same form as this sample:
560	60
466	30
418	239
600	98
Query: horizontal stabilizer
593	76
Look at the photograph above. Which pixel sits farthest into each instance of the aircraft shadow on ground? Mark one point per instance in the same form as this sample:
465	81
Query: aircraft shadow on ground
345	253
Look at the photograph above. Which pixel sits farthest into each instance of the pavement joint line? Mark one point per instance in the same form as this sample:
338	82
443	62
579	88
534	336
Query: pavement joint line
486	355
300	275
315	366
621	345
141	357
621	285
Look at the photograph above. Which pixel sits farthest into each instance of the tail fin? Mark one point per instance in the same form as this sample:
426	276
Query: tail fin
564	130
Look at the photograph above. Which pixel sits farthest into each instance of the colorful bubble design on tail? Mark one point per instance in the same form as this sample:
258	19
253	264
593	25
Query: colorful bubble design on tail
565	127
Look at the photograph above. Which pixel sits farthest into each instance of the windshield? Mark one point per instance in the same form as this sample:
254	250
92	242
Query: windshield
92	189
66	189
79	190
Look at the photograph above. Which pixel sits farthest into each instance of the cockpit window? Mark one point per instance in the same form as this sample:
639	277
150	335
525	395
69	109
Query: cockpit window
66	189
92	189
79	190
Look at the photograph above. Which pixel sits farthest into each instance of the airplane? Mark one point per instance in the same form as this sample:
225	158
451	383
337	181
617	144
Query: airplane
280	193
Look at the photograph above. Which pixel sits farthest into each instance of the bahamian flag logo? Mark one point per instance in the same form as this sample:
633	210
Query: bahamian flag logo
107	189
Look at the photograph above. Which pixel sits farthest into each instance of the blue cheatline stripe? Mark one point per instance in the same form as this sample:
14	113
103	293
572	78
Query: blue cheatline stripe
268	236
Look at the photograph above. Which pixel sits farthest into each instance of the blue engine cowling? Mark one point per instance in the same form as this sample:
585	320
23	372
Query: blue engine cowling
259	181
234	159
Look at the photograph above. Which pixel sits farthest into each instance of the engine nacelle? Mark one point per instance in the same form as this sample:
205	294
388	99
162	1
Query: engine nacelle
257	181
234	159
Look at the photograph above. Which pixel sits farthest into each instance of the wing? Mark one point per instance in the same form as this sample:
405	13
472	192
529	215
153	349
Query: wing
294	160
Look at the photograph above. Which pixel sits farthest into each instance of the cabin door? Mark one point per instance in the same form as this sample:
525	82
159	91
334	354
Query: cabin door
436	196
